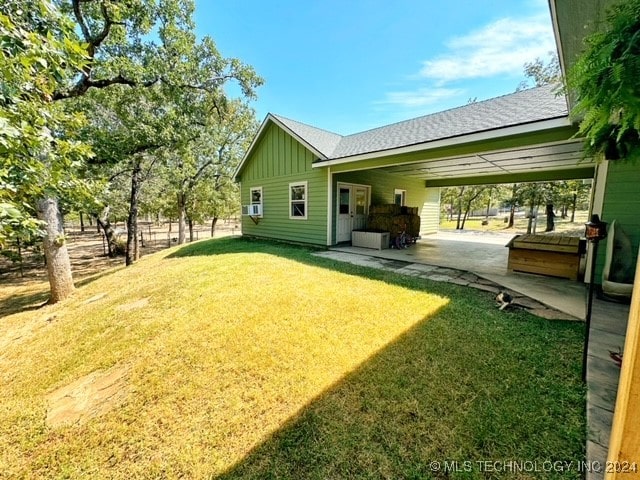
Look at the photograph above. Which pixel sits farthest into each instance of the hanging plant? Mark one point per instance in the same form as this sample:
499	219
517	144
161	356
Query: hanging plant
606	82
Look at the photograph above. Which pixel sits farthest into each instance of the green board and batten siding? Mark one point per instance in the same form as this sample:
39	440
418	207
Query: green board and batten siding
276	161
621	203
383	186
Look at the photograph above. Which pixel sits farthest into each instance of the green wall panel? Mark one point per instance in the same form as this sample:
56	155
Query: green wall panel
383	186
621	203
277	160
430	214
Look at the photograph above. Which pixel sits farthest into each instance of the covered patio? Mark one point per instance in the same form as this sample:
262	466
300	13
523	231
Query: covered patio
485	254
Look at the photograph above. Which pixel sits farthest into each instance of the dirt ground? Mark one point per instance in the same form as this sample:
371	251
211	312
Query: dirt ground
87	250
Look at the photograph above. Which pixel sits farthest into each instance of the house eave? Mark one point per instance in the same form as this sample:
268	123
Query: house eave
549	124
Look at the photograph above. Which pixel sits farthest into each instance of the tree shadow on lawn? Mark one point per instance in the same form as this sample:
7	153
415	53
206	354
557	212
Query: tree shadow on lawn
25	302
469	384
459	386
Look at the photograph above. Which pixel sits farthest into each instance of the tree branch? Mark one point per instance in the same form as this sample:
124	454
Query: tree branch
116	175
200	171
93	43
85	83
80	19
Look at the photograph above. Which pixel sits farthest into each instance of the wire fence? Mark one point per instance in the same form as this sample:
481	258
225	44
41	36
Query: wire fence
87	243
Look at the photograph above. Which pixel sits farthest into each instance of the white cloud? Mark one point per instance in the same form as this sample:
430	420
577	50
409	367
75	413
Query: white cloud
421	97
500	48
497	50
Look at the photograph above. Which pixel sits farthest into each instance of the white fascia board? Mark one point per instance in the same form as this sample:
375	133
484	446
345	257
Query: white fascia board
556	33
460	139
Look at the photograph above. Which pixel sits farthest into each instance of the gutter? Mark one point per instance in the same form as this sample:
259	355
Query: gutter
451	141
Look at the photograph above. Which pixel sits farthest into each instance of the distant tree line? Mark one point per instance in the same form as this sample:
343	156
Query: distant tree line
560	198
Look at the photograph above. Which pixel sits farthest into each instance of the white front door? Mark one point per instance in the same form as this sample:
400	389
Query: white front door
352	210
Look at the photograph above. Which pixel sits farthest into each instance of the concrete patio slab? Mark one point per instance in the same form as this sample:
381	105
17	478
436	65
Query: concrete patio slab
484	254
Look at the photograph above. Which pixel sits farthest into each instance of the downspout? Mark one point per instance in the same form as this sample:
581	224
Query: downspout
329	206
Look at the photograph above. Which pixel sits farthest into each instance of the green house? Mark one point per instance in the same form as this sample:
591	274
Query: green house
303	184
308	185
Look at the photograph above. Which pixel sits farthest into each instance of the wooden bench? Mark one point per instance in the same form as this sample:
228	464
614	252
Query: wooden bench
551	255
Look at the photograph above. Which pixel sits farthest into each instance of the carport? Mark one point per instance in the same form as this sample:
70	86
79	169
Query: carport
521	137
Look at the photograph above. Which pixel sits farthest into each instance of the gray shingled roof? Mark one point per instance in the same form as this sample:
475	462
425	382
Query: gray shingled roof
526	106
322	140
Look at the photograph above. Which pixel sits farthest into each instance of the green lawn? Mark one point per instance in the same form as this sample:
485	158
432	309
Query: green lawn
497	224
249	359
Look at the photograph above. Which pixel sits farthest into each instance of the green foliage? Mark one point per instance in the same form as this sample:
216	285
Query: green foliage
605	81
165	110
541	73
37	54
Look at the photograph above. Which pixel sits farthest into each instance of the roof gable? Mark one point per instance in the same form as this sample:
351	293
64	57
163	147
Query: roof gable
323	141
316	140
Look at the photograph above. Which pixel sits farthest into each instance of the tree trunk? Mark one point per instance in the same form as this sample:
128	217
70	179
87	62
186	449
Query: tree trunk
182	217
530	223
81	222
573	207
190	222
213	225
459	207
55	251
550	218
464	220
467	209
109	233
512	209
132	220
486	217
512	215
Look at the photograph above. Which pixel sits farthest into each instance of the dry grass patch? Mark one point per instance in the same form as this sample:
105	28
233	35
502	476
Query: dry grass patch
222	349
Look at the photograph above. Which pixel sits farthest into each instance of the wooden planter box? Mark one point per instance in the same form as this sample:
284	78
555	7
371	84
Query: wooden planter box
551	255
377	240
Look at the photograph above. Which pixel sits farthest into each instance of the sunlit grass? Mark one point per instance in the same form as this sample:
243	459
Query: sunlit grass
497	224
228	348
258	360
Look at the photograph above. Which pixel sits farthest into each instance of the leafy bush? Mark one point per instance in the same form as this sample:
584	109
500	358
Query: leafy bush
605	80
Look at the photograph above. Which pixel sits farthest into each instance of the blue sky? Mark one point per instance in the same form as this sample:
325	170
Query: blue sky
350	65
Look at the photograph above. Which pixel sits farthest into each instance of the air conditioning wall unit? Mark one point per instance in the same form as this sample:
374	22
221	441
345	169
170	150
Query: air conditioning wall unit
254	210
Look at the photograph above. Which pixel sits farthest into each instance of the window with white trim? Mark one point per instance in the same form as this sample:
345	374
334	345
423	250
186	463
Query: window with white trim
298	200
399	197
255	196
